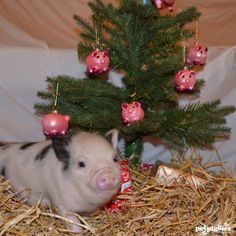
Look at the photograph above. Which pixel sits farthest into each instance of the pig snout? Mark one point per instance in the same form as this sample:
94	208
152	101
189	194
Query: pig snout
107	180
130	110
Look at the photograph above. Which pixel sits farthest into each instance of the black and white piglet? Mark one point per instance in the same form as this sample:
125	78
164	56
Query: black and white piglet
79	174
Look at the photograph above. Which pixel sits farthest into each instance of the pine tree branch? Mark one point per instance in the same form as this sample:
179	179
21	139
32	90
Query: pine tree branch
195	125
145	46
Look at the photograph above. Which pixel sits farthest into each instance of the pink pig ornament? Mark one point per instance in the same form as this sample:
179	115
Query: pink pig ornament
55	124
161	4
197	55
98	62
185	80
132	113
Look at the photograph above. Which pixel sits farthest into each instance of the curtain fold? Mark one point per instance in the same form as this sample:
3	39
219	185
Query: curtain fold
51	22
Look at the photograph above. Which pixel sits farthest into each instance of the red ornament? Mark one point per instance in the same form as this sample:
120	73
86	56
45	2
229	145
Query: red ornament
125	176
132	112
55	124
98	62
146	166
185	80
119	204
197	55
161	4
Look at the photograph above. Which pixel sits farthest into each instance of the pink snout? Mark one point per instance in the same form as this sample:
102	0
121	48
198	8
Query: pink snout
108	181
130	110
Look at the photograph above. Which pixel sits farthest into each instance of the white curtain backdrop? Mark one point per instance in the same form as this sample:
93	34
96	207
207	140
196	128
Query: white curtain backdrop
39	39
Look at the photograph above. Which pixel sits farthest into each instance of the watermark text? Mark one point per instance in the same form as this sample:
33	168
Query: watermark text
217	229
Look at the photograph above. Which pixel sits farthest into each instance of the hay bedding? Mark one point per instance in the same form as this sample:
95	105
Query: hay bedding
152	210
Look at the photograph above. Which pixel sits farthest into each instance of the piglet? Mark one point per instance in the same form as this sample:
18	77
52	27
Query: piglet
77	174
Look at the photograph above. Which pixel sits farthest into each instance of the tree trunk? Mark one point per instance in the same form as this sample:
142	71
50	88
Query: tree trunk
133	151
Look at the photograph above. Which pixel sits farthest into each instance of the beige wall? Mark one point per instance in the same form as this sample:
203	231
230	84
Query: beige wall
51	21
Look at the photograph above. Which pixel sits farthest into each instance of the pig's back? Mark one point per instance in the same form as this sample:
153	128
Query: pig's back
22	165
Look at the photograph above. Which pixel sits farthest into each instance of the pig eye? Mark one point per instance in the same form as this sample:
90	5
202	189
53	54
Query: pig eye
115	159
81	164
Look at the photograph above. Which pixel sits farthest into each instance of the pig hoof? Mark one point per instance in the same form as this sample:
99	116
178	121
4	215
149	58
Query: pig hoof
74	227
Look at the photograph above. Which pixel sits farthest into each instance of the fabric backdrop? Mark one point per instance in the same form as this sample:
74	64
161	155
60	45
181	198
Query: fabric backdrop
39	38
50	21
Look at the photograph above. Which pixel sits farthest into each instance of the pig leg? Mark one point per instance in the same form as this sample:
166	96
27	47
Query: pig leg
125	121
33	197
74	227
105	69
196	62
90	70
180	88
191	89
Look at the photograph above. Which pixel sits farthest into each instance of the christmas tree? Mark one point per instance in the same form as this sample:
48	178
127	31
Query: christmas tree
145	46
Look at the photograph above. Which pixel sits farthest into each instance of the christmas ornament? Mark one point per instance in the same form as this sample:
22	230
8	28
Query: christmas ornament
185	80
132	112
119	204
55	124
197	55
146	166
146	2
169	175
161	4
98	62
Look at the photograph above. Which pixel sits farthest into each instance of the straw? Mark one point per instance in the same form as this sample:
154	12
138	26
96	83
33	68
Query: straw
152	209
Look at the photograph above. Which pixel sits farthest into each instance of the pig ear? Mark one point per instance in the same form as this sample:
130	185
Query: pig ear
106	53
137	104
94	53
112	137
124	106
180	73
60	147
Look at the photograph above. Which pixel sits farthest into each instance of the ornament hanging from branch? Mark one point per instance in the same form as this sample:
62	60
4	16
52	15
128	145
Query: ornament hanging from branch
185	79
98	60
197	54
132	112
146	2
161	4
55	124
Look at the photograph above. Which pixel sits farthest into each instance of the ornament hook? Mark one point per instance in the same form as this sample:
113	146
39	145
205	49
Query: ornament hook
55	95
97	31
197	31
183	50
